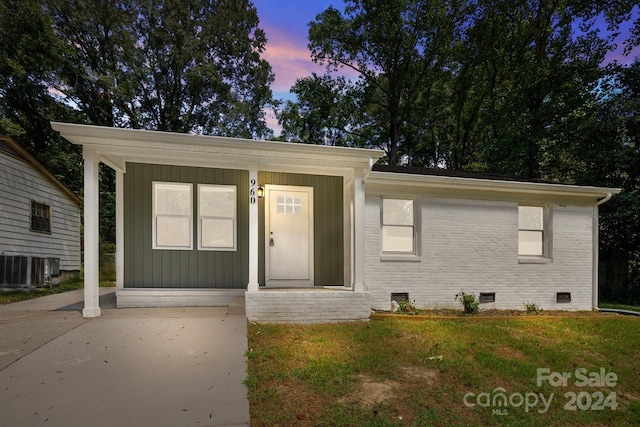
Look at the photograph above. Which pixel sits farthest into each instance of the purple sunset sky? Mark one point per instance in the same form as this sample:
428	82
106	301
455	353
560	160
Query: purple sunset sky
285	23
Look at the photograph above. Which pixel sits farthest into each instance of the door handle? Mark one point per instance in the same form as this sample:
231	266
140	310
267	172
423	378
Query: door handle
271	243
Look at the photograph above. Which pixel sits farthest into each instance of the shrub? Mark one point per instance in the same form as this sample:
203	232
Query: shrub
469	302
532	308
407	307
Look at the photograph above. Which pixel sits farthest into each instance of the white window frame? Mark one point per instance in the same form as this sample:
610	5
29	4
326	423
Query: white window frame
234	219
546	231
156	216
414	254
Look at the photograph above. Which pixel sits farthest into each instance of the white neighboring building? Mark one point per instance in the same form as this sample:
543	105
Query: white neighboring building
39	222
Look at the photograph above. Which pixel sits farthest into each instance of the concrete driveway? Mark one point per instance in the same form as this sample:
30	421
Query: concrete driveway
128	367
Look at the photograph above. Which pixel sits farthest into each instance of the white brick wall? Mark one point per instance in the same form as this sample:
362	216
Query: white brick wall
473	246
312	306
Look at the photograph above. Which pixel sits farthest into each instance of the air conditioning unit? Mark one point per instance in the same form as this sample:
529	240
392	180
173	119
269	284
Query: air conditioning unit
52	271
14	271
17	271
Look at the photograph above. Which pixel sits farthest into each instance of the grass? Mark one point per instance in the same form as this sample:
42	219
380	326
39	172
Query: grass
620	306
8	296
397	372
106	278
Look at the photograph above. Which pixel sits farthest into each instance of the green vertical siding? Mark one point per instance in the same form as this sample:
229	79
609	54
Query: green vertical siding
328	226
149	268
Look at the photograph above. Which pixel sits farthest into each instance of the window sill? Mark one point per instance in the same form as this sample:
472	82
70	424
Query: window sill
400	258
534	260
40	231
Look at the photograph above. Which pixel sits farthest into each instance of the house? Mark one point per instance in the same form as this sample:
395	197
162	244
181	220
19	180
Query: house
310	233
40	227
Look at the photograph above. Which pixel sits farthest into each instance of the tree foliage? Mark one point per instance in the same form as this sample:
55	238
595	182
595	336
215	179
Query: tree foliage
396	47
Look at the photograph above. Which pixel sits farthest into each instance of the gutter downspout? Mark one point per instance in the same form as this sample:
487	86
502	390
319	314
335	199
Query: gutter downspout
596	249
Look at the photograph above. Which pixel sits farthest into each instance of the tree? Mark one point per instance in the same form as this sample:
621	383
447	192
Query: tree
324	113
611	153
29	57
396	47
202	67
179	66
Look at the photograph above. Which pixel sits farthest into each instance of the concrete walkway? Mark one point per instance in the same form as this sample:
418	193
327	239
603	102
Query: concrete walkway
128	367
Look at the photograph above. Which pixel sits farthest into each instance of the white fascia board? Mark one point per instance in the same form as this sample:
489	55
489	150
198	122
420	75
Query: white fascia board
381	179
170	145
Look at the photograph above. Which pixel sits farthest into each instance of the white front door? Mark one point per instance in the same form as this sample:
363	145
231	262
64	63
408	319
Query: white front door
289	236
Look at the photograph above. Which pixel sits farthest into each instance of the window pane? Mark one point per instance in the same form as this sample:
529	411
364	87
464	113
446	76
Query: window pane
40	217
530	217
530	243
217	201
172	199
173	232
397	212
397	239
217	233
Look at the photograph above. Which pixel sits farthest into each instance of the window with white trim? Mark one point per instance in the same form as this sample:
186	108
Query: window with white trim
398	226
533	231
172	215
217	217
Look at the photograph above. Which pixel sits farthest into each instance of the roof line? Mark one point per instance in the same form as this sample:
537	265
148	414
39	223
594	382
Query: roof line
71	130
38	166
489	184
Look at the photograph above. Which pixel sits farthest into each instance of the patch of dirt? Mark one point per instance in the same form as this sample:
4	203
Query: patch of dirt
370	391
427	376
511	353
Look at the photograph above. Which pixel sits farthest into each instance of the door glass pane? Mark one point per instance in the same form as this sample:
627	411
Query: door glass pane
397	212
530	243
530	217
289	204
397	239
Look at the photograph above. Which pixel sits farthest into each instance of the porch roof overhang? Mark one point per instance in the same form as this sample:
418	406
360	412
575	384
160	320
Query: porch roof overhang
464	187
116	146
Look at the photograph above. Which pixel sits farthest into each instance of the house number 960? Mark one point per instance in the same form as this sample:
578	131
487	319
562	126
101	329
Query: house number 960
252	191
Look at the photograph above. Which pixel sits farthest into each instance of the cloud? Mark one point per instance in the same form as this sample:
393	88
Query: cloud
290	59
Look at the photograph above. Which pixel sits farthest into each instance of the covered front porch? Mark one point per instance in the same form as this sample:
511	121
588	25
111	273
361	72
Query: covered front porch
333	291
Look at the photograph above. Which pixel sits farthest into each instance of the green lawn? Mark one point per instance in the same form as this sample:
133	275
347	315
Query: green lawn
8	296
396	372
619	306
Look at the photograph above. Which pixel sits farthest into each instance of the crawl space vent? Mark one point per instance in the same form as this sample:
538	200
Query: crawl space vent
487	297
563	297
400	296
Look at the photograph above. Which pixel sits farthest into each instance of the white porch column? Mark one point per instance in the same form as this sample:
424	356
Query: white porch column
253	285
119	229
91	232
358	226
